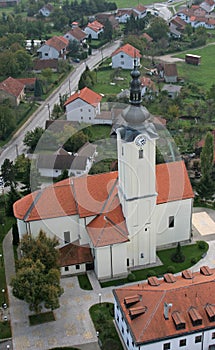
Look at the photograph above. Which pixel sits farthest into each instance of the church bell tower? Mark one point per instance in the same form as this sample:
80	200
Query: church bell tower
136	146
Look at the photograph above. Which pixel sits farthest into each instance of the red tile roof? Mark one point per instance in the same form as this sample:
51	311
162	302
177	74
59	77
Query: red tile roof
27	81
172	182
97	195
95	26
86	95
184	295
128	50
140	8
77	33
73	254
12	86
57	42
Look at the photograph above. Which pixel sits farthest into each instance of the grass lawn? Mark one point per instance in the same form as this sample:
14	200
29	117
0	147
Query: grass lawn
41	318
204	74
102	317
105	77
5	331
190	251
84	282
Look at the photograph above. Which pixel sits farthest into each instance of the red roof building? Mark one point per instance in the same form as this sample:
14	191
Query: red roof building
12	89
168	313
124	56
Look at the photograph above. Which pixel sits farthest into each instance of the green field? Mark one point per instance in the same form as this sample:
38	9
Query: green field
204	74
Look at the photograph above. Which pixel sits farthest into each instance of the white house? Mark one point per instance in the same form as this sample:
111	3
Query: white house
94	29
124	57
54	48
83	106
124	14
76	34
123	216
52	165
46	10
168	313
140	11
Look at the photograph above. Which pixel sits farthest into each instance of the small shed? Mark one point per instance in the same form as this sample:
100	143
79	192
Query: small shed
192	59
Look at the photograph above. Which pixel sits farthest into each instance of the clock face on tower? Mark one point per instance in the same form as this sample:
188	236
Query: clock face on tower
140	140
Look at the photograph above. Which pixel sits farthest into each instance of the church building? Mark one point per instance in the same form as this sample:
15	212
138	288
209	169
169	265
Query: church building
120	217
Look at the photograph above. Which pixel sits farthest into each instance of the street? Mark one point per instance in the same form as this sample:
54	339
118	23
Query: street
15	146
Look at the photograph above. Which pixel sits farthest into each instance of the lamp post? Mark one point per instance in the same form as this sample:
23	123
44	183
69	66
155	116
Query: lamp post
1	260
100	298
48	105
4	305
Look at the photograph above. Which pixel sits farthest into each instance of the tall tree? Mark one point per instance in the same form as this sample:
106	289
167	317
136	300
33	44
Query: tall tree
8	173
32	138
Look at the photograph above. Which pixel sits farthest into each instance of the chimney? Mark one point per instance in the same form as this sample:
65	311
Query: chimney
166	310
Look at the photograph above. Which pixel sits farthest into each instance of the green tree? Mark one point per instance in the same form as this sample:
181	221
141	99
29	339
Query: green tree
41	248
76	141
35	286
38	89
15	234
108	30
158	29
11	197
8	173
23	60
7	120
63	176
32	138
30	179
207	155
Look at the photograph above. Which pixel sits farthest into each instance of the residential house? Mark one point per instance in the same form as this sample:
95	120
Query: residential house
172	90
13	90
124	14
197	16
46	10
207	5
52	165
125	215
94	29
140	11
147	86
83	106
176	27
39	65
104	16
54	48
170	73
77	34
173	312
124	56
29	83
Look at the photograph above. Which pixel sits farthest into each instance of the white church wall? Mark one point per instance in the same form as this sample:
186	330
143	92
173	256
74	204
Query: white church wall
56	227
119	265
180	211
102	262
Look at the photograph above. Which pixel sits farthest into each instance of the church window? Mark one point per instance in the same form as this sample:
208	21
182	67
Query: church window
127	261
127	342
141	255
171	221
146	229
122	330
122	151
66	237
140	153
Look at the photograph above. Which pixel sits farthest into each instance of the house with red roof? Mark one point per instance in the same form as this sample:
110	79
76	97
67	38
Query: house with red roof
83	106
77	34
54	48
94	29
172	312
13	90
124	56
123	216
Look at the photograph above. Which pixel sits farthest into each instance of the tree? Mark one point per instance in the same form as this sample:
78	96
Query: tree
32	138
41	248
38	89
207	155
76	141
35	286
8	173
63	176
73	47
30	179
108	30
158	29
38	276
11	197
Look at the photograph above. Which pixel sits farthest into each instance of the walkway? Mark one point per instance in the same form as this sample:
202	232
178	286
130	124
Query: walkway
73	325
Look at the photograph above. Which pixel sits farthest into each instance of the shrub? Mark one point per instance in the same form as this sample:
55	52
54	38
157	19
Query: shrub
201	245
131	277
178	256
193	260
110	344
171	269
151	273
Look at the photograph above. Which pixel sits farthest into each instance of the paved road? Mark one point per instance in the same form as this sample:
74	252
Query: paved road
15	146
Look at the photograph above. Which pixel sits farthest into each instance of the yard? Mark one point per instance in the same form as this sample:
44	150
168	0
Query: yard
204	74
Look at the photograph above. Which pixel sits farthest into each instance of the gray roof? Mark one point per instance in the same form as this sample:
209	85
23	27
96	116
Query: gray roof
59	161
